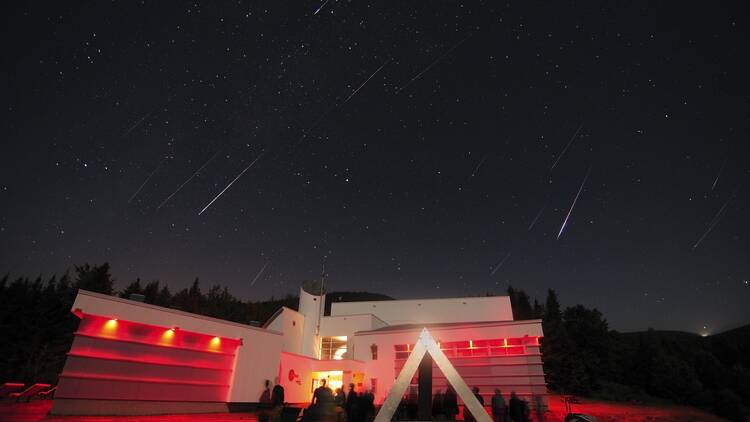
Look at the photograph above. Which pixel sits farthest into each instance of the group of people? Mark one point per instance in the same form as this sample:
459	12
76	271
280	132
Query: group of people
340	406
445	407
517	410
271	403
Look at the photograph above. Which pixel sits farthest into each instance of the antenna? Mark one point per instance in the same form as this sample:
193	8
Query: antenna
320	305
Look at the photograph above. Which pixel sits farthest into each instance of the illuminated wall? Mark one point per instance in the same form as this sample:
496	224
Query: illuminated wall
477	350
124	360
510	364
138	365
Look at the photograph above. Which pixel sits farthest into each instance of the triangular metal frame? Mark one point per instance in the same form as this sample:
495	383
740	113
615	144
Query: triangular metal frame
426	344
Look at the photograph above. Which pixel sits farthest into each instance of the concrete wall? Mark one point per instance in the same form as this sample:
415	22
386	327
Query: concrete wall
256	360
431	311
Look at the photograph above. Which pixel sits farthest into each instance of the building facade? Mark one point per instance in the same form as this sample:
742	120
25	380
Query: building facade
133	358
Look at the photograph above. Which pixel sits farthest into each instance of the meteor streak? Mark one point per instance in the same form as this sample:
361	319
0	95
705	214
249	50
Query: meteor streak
559	157
144	183
719	215
365	82
138	123
188	180
321	6
719	175
259	273
231	183
539	214
433	64
497	267
335	106
573	204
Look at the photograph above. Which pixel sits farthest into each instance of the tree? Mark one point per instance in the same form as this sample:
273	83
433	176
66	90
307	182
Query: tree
151	292
520	303
95	279
133	288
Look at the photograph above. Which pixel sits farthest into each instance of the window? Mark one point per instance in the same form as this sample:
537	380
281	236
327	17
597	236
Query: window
333	348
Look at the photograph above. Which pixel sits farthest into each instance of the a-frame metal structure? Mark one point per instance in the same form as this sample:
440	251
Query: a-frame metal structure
426	344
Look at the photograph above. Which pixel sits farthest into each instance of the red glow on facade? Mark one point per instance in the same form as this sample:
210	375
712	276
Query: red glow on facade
109	355
480	348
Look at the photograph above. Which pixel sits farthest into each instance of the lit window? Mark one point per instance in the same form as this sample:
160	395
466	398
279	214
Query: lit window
333	348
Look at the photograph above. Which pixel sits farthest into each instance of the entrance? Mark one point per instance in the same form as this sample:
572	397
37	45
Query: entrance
334	379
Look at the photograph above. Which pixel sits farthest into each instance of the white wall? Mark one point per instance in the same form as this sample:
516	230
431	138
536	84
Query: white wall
431	311
291	324
257	358
310	307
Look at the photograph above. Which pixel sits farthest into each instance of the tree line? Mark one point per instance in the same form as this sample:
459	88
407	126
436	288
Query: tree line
581	354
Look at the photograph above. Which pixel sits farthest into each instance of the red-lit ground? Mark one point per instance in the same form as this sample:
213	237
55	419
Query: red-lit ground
603	411
613	411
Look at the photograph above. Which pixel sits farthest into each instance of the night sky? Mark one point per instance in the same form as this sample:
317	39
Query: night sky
422	149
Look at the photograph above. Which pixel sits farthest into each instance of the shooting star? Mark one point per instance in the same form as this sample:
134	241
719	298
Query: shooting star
559	157
321	6
497	267
188	180
144	183
718	175
419	75
335	106
259	273
476	169
138	123
719	215
365	82
573	204
539	214
231	183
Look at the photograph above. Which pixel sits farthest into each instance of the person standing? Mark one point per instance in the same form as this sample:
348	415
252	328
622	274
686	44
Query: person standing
437	406
450	404
322	394
351	404
340	398
515	407
467	413
498	407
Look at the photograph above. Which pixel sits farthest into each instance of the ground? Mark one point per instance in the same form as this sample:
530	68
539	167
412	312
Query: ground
602	410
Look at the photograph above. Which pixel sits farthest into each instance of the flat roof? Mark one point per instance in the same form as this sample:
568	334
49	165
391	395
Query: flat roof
128	302
411	327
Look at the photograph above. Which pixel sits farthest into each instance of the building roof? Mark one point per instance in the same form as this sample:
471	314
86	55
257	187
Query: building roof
411	327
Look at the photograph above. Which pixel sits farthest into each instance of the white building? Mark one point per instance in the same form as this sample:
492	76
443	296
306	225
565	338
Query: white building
133	358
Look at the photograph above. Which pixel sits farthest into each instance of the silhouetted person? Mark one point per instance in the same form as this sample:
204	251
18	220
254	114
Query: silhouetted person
352	405
265	403
265	396
368	407
450	404
322	394
412	405
437	405
340	398
539	407
515	408
277	395
467	413
498	407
